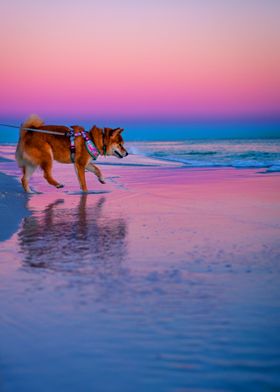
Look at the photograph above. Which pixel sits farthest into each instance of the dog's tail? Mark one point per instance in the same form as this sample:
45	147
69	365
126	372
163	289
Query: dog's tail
33	121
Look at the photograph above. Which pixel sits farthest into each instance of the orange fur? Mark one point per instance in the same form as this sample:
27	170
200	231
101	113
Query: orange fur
36	149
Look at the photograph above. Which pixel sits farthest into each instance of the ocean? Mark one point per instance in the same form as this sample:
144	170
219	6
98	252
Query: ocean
237	153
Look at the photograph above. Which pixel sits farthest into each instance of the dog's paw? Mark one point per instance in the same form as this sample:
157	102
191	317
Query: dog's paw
59	186
101	179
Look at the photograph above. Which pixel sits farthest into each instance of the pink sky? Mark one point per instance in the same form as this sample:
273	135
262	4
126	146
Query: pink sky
148	59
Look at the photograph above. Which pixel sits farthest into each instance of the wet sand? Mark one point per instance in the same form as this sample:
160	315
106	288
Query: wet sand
164	279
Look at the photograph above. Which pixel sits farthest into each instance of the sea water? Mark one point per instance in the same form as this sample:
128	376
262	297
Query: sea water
211	152
237	153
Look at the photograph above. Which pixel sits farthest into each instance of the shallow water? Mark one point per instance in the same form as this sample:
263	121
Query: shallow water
167	281
238	153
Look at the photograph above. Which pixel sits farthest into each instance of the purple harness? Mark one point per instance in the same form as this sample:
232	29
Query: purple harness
91	149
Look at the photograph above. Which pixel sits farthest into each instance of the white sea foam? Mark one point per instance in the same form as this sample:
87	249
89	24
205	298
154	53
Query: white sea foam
215	153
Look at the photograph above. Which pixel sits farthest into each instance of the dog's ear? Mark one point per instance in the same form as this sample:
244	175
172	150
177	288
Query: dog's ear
95	130
77	128
117	131
108	132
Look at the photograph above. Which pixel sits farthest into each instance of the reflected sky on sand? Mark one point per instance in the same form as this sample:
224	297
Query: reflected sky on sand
169	282
60	236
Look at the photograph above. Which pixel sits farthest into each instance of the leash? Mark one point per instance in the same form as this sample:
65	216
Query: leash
35	130
91	149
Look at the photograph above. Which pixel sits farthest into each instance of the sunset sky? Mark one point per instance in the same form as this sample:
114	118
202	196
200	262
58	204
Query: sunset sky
121	59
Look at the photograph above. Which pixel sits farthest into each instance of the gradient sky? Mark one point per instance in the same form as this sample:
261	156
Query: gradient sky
148	59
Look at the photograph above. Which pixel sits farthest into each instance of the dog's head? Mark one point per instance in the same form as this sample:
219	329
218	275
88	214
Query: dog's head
109	141
114	143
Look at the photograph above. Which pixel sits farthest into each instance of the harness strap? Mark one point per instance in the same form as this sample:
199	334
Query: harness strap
72	145
104	146
91	149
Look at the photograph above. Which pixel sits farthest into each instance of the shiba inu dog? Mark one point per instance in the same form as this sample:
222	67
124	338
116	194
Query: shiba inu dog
36	149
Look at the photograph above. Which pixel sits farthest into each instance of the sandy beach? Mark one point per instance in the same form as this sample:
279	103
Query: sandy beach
165	278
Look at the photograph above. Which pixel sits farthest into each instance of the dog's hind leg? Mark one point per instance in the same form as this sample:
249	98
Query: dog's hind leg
46	166
94	169
27	171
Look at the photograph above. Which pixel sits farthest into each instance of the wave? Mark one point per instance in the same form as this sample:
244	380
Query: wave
273	169
194	152
249	164
216	153
257	155
235	164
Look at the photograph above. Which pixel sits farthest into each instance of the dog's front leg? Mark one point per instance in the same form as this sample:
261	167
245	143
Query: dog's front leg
94	169
80	170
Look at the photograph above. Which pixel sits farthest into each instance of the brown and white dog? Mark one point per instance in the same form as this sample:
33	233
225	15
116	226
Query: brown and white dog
36	149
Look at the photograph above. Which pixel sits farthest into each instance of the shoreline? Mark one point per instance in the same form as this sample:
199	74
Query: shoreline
189	156
168	272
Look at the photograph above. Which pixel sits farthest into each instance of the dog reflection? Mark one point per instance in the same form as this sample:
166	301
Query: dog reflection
82	239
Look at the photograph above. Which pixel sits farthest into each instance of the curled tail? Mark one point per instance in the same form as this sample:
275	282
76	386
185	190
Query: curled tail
32	121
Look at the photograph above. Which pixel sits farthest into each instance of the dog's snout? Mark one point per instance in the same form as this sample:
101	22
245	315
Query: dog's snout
126	154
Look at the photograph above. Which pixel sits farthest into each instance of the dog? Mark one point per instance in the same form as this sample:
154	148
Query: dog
35	149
